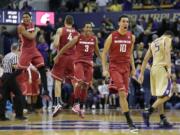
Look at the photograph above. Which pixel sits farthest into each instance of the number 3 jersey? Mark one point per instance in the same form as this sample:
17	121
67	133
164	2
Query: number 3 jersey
67	35
85	49
120	49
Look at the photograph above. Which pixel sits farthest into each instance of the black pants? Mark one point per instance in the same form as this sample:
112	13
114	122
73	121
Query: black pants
9	85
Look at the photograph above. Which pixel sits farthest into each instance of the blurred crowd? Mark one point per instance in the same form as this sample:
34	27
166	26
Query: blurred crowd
89	6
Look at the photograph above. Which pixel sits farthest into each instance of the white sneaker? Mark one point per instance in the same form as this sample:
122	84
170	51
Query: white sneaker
57	109
76	109
49	109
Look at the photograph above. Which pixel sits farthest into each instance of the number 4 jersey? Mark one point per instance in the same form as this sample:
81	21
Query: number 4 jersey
67	35
120	49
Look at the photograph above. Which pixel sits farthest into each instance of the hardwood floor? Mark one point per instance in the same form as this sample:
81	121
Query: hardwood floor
96	122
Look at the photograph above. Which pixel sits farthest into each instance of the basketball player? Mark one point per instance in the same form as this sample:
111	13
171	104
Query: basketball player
28	52
86	44
160	75
63	68
120	46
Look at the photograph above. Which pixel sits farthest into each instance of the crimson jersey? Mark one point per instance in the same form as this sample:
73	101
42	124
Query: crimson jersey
120	49
67	35
25	42
85	48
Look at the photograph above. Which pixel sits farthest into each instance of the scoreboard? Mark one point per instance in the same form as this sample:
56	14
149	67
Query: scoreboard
15	17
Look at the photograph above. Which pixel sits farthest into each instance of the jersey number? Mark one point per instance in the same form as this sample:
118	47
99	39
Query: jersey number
157	46
70	37
86	48
122	47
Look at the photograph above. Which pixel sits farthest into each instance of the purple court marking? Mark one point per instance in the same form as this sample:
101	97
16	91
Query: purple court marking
85	125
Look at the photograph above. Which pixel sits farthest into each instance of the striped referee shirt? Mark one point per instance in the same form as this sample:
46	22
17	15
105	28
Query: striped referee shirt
9	60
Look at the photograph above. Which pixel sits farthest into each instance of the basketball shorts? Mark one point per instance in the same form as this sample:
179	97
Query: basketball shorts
119	77
63	68
161	85
26	57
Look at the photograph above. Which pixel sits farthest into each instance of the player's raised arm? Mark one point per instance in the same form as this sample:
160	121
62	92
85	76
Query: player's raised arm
22	31
97	49
57	37
104	54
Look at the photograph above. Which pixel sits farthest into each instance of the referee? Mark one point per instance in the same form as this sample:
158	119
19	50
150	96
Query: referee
9	84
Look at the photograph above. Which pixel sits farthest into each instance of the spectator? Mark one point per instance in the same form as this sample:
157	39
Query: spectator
176	4
43	48
115	7
104	93
107	27
101	4
127	5
6	40
26	7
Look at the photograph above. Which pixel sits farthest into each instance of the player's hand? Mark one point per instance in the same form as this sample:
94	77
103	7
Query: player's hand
30	81
141	78
169	75
37	29
133	73
105	73
55	59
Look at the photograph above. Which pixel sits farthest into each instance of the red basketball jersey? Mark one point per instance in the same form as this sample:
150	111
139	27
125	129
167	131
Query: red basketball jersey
67	35
120	50
85	48
25	42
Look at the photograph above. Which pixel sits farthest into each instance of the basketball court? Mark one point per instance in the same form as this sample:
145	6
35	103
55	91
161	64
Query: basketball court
96	122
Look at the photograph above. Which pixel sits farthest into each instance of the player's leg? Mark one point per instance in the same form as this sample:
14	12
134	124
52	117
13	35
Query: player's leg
121	83
57	90
59	102
161	87
18	99
163	120
159	102
79	77
88	76
38	61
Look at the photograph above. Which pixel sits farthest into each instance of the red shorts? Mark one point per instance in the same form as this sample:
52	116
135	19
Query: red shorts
83	72
30	56
64	68
22	80
34	86
28	89
119	76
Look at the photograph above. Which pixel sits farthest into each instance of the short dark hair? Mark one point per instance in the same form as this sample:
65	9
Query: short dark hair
69	20
87	23
170	33
122	16
27	13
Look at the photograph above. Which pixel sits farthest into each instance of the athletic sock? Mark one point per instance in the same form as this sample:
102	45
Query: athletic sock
128	118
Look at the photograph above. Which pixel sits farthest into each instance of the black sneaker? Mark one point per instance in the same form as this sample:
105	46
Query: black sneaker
133	128
146	116
165	124
21	118
4	119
